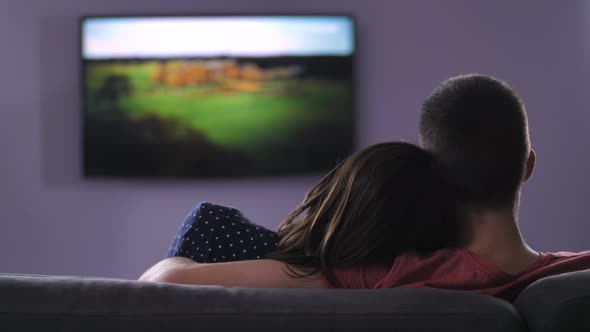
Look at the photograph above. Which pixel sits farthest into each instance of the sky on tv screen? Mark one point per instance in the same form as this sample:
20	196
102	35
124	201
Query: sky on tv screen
153	37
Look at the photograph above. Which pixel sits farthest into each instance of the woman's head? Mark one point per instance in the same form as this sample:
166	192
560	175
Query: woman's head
379	202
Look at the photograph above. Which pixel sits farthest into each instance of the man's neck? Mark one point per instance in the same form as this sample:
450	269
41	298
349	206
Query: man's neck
494	235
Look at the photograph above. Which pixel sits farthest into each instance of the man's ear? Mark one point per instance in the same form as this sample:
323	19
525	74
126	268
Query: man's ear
530	165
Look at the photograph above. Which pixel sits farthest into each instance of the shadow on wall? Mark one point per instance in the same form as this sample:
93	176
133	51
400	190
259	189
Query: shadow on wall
59	101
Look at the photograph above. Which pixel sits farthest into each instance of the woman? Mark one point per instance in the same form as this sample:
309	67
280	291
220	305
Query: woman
385	200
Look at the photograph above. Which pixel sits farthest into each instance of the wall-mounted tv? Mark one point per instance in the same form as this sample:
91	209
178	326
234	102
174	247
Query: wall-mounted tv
200	96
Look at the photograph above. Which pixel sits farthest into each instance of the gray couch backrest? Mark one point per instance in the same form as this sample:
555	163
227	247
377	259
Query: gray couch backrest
29	303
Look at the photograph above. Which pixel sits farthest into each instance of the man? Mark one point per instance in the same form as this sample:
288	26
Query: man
477	127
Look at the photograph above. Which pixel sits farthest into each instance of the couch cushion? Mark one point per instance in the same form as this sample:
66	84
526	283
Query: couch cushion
32	303
557	303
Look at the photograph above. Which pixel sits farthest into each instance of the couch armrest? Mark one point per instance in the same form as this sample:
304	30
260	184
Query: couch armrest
557	303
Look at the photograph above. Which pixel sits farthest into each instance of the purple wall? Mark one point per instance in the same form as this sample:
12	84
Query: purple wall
54	222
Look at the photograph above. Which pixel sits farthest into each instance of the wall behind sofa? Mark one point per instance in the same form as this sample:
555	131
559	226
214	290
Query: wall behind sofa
52	221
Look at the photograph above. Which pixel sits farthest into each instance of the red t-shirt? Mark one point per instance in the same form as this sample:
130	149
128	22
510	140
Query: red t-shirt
458	269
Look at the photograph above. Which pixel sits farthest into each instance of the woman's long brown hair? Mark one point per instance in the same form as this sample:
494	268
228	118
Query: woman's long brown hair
379	202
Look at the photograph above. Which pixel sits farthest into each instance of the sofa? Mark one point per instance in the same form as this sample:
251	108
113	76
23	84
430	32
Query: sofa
57	303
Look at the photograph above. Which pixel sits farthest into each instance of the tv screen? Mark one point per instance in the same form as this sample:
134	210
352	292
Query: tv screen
216	95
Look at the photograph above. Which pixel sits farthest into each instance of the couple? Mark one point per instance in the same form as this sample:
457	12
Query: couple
393	215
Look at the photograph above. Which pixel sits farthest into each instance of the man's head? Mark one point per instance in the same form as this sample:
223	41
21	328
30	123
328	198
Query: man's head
477	126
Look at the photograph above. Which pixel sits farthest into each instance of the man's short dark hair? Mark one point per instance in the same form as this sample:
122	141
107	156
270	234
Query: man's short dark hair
477	126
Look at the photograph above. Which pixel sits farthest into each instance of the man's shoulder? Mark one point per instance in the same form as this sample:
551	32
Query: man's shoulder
447	260
561	255
565	261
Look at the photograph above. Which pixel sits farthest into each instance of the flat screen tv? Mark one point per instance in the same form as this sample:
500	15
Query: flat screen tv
208	96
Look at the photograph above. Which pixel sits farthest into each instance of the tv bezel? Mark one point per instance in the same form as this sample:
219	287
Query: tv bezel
84	102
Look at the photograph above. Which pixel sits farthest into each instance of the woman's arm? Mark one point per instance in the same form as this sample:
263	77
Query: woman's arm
263	273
